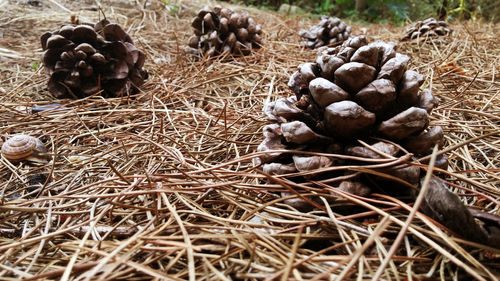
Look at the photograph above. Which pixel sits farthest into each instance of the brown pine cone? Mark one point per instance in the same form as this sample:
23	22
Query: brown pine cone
84	59
223	31
329	30
362	91
358	90
427	28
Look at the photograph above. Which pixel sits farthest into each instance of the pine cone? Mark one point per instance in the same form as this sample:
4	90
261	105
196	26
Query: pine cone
429	27
353	91
223	31
329	30
84	59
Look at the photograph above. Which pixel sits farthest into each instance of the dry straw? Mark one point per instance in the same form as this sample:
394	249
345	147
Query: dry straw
161	185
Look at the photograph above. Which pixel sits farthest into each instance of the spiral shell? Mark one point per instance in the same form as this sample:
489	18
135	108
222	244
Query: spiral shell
23	147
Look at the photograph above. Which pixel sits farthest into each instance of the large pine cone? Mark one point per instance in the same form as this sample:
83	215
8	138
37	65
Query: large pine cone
353	91
329	30
428	27
361	91
84	59
223	31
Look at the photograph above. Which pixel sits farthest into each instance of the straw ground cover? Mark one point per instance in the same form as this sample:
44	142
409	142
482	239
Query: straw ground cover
161	185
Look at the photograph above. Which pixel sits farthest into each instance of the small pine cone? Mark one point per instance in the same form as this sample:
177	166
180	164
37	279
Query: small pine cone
84	59
328	31
223	31
427	28
358	90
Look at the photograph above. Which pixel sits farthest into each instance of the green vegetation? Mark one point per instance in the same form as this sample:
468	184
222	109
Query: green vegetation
35	65
393	11
172	8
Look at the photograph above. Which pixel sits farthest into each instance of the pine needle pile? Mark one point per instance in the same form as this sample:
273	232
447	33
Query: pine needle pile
162	184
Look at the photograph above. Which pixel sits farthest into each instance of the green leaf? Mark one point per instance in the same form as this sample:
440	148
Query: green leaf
35	65
171	7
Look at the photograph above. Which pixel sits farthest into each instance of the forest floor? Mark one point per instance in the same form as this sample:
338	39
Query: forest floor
161	184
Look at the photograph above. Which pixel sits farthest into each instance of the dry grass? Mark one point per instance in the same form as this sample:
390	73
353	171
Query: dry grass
161	185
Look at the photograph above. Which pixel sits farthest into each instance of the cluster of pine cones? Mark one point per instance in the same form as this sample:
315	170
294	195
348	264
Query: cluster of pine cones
356	104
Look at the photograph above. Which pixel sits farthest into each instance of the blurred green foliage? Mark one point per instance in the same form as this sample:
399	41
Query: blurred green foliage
35	65
390	11
172	8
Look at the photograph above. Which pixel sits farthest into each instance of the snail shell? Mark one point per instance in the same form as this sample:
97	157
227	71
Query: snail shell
24	147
